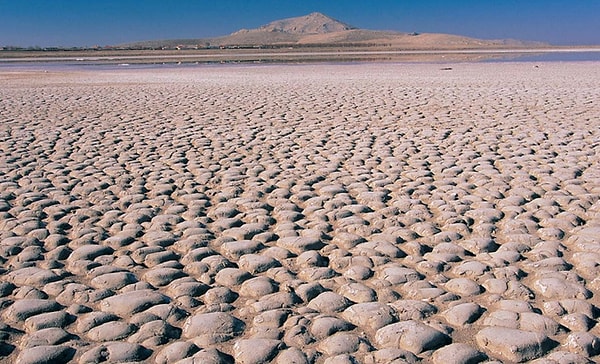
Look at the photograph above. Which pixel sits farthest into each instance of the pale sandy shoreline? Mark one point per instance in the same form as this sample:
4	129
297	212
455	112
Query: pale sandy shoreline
315	213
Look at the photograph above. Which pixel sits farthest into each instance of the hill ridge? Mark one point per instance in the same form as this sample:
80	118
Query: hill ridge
317	29
313	23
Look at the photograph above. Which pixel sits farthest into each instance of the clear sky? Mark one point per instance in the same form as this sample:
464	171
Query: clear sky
47	23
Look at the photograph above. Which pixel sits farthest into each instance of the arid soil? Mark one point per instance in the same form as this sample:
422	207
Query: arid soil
357	213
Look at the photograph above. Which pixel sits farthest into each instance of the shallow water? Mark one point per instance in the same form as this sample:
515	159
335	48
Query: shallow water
560	55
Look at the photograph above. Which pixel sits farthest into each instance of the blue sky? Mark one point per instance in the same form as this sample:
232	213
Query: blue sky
107	22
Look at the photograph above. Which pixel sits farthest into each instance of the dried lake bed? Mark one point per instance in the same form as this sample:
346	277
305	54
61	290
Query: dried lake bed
314	213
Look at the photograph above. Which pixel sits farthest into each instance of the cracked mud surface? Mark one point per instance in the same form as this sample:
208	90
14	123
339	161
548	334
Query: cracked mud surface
301	214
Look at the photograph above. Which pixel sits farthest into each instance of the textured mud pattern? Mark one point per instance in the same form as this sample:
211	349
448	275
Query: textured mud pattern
301	214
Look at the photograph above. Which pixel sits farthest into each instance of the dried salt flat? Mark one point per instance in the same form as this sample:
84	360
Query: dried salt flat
368	213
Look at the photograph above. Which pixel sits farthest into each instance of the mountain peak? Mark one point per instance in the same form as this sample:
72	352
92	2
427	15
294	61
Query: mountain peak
313	23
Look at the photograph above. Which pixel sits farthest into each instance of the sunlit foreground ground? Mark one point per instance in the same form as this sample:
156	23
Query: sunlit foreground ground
301	214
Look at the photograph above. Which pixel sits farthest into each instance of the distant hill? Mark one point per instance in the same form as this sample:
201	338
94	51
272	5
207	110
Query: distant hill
316	29
314	23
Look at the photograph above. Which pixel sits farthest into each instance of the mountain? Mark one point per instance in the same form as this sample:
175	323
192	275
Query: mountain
314	23
285	31
316	29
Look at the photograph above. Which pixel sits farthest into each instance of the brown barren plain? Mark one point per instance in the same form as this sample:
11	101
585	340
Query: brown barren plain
368	213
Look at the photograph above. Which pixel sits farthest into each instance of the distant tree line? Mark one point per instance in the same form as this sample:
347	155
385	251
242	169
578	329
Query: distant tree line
203	46
51	49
